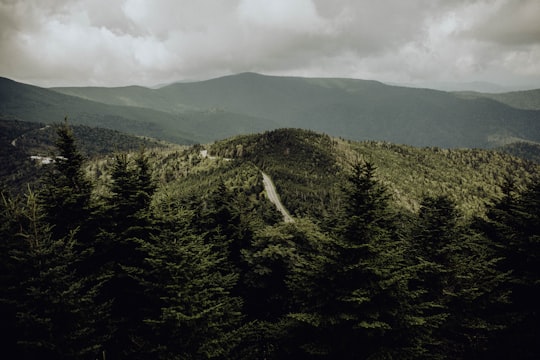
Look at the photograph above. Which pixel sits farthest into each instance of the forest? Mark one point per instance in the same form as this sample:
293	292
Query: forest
161	253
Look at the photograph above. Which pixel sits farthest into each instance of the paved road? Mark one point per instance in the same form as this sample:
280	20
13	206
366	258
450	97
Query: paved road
274	197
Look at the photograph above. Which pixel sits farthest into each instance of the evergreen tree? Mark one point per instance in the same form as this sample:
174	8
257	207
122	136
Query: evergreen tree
197	315
12	271
283	285
55	311
66	191
513	224
126	224
218	222
366	311
458	283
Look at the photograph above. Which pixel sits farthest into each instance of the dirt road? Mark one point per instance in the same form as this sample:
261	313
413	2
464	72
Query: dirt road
274	197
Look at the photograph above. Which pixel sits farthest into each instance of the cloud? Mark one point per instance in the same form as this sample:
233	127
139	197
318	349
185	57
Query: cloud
99	42
510	23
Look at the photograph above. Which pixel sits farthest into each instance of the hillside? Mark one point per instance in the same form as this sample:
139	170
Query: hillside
307	169
185	240
19	140
526	100
352	109
31	103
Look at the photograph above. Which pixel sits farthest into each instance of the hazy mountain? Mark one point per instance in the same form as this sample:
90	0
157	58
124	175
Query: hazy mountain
355	109
526	100
32	103
249	103
477	86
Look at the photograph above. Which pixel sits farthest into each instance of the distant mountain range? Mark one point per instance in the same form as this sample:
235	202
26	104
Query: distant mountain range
249	103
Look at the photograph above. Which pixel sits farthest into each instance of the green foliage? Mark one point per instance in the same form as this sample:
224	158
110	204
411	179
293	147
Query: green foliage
171	253
457	282
370	296
513	225
197	314
54	307
308	167
523	150
66	191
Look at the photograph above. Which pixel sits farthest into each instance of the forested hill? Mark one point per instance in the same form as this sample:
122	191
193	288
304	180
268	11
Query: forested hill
307	167
24	146
249	103
176	252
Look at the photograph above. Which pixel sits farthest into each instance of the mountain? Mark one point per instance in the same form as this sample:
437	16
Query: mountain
526	100
32	103
250	103
353	109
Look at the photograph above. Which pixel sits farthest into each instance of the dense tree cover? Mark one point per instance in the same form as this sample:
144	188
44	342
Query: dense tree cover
307	167
20	140
174	255
524	150
17	169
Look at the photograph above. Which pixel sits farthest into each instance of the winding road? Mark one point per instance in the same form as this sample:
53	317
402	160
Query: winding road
274	197
14	142
268	186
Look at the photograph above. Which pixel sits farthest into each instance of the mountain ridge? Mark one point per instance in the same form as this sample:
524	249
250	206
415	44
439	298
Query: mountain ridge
249	102
358	109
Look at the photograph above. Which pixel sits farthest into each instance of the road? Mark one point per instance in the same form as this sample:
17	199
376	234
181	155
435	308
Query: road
274	197
14	142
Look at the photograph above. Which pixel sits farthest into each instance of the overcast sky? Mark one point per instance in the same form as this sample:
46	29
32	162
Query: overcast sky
149	42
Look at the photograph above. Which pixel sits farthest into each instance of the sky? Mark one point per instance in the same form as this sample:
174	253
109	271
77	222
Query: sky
150	42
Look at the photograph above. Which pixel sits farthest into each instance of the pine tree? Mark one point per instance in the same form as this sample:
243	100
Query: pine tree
55	310
12	271
458	283
66	191
125	227
197	315
218	222
366	314
513	225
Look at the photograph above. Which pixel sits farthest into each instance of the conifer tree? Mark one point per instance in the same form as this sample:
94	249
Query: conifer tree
459	286
12	270
126	225
66	191
366	313
513	224
197	315
218	222
55	310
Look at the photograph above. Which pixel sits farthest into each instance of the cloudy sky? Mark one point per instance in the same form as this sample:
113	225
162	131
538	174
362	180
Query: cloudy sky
149	42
